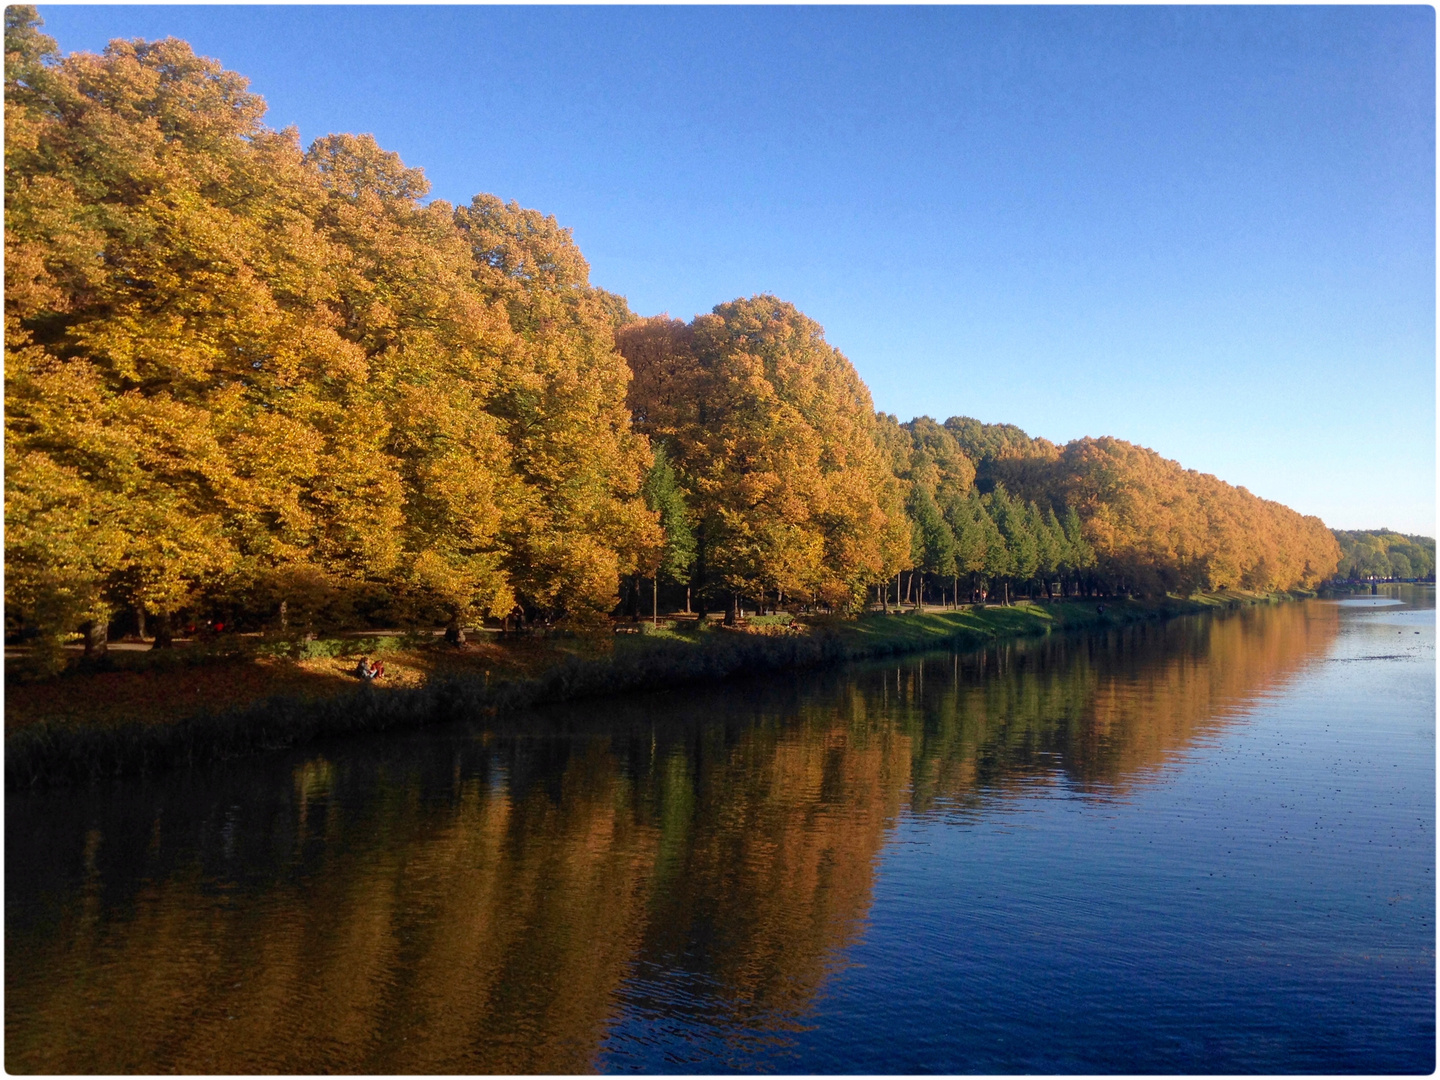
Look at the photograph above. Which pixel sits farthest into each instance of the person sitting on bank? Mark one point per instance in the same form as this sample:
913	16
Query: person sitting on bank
364	670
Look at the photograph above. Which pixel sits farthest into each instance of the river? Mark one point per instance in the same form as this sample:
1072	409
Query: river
1206	845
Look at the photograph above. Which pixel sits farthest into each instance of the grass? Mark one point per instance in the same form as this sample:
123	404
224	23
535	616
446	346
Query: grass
129	717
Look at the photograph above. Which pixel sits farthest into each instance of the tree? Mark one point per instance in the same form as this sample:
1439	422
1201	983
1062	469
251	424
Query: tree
1049	541
1020	550
275	379
664	495
1077	555
976	538
562	402
240	376
773	434
134	372
1372	554
1151	524
933	546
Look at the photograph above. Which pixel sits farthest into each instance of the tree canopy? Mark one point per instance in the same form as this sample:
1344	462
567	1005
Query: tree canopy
251	377
250	370
774	441
1382	553
1152	524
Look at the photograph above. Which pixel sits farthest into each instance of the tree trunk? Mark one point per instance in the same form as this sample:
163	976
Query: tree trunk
97	638
140	621
687	599
454	632
284	616
732	609
164	631
655	600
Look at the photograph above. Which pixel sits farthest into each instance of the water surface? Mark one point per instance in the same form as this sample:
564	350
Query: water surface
1202	846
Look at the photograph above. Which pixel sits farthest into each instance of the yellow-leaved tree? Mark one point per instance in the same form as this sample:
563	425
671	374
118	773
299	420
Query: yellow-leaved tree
775	443
245	377
560	401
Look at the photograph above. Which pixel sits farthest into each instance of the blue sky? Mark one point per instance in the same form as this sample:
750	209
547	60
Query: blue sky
1208	230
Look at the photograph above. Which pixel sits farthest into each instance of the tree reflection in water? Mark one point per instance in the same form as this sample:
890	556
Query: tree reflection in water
507	898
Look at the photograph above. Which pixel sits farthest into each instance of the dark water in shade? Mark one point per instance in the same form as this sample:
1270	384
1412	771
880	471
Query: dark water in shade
1206	846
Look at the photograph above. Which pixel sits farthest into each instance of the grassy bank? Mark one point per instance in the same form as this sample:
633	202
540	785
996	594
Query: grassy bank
142	716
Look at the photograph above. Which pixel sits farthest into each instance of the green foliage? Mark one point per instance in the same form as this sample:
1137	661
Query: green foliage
978	543
1014	522
1049	540
784	618
933	548
325	648
664	495
1381	553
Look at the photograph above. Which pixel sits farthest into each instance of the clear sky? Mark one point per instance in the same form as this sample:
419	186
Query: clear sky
1208	230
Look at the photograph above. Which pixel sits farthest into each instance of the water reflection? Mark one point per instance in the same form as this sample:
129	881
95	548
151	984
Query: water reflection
685	868
1101	713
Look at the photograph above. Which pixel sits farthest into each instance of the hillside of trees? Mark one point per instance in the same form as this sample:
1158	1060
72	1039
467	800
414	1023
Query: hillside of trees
1381	553
274	386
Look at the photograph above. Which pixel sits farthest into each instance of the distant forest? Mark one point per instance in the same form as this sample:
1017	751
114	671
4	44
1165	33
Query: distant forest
272	384
1384	554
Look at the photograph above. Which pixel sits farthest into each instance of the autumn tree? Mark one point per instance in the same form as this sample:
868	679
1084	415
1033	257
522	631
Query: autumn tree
774	441
141	194
1147	523
561	400
244	376
277	380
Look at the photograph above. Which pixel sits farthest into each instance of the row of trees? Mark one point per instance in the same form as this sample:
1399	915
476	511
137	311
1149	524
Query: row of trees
1381	553
275	383
1156	526
958	532
245	376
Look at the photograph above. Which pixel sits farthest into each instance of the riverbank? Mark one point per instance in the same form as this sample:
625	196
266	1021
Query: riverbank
151	711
